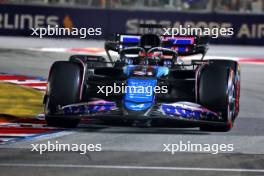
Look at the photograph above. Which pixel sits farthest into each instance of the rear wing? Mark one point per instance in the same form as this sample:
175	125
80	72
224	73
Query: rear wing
184	45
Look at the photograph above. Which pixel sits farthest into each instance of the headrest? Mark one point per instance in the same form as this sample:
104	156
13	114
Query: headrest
149	41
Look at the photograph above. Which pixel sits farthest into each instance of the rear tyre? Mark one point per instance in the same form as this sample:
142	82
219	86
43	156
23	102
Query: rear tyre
63	88
217	92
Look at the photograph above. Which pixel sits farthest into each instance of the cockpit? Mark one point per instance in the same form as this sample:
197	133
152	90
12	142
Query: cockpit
156	56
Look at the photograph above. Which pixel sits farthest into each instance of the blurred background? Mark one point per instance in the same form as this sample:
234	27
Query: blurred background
17	17
209	6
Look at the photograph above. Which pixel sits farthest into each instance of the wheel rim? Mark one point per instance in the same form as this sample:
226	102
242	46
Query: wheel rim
231	103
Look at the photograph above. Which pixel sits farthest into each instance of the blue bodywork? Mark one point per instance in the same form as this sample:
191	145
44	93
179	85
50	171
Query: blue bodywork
158	70
140	94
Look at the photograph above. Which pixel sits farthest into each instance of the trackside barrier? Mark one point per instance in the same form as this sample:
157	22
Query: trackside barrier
17	20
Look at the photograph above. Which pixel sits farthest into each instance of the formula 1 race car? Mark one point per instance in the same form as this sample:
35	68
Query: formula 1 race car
148	84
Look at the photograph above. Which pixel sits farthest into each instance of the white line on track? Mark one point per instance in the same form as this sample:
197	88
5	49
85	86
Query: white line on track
132	167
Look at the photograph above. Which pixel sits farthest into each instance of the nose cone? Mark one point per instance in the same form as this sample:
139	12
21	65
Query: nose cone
139	96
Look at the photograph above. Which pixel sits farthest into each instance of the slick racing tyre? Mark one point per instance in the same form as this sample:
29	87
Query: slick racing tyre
217	92
236	68
63	88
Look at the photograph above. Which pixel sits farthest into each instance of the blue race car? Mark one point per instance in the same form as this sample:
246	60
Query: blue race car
149	84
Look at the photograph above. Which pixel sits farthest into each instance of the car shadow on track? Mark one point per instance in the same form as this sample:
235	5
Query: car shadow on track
138	130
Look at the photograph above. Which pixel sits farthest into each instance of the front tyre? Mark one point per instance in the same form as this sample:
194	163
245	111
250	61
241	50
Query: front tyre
64	88
217	92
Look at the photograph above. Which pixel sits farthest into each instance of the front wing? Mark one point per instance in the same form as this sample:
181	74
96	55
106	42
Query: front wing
178	112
